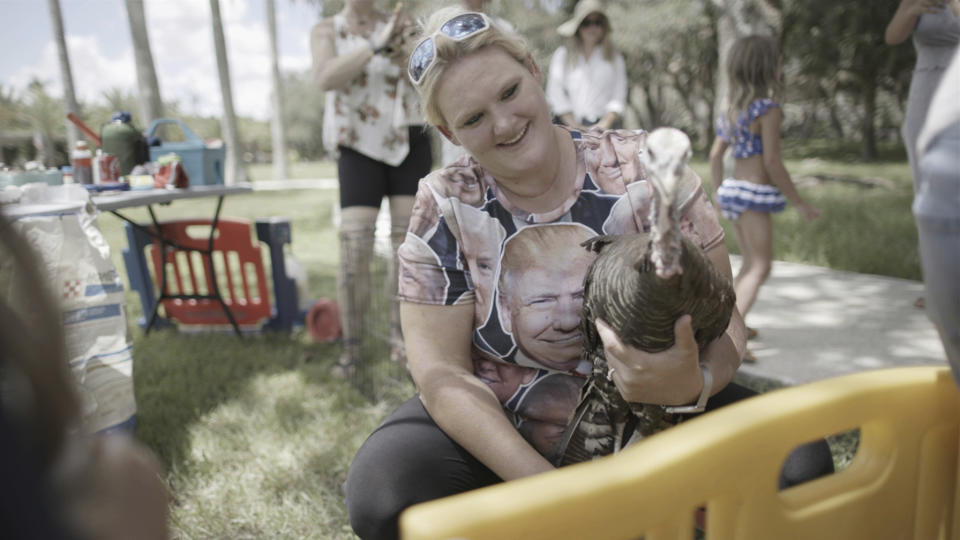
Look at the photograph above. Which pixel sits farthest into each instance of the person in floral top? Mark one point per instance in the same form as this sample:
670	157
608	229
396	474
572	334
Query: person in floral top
372	124
545	188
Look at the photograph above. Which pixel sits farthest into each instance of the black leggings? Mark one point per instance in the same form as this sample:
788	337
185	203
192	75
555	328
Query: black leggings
365	181
409	460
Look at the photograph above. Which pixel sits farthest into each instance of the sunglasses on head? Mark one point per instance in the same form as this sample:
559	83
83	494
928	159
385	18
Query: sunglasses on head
458	28
598	21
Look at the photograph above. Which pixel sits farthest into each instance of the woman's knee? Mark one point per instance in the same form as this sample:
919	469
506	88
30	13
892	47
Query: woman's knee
372	504
407	460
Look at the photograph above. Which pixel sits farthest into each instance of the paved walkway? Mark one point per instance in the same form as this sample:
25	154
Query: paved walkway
815	323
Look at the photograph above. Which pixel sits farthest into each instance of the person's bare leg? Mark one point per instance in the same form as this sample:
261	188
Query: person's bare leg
401	207
357	224
756	235
745	256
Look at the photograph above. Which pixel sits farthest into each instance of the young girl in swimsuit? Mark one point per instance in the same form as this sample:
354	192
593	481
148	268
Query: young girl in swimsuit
760	184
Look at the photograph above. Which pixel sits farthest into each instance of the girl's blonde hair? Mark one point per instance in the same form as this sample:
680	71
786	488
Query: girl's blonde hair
448	51
575	47
752	69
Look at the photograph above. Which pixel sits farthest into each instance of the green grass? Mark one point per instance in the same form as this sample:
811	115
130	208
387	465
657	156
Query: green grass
259	172
256	436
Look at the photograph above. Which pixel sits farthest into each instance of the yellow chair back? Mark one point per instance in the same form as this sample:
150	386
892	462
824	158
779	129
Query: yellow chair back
902	482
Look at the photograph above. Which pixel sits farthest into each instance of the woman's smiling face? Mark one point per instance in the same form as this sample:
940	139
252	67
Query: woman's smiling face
495	108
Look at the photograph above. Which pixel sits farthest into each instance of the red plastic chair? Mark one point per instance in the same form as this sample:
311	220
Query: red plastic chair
189	294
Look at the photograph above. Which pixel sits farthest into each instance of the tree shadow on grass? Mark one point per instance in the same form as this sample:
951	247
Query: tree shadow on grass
178	378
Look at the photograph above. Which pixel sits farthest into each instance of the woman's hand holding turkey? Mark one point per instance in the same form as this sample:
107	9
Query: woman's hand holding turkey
670	377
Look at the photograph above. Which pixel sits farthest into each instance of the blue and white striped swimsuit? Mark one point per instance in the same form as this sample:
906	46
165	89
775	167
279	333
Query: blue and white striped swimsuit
735	196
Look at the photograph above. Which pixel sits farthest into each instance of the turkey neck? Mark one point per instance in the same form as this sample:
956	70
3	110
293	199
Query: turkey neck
666	244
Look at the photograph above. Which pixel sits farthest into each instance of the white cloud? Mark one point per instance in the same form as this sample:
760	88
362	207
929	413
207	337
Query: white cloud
181	40
93	72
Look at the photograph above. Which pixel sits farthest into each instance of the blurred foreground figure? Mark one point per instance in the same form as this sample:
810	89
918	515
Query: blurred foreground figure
936	207
58	480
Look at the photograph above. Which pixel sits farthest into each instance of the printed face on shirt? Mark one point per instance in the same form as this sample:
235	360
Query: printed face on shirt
429	286
546	410
503	379
541	290
482	236
495	108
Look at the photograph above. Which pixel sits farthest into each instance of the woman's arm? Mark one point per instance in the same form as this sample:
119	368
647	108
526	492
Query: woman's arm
905	18
673	376
773	163
460	403
332	72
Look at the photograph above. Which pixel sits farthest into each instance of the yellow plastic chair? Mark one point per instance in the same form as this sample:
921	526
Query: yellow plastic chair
902	482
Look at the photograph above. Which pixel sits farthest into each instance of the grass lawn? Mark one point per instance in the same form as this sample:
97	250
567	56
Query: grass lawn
256	436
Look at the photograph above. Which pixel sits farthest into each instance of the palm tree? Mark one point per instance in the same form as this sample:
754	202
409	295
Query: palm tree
233	173
151	106
279	128
66	75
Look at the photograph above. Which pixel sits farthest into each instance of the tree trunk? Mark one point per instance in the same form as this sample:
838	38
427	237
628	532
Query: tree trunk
738	18
278	126
66	75
829	97
151	105
869	149
234	172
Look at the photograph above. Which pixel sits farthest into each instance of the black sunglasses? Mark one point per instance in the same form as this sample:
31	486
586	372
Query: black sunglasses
458	28
599	21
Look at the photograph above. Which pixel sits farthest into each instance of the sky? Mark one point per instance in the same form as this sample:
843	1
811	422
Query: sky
181	40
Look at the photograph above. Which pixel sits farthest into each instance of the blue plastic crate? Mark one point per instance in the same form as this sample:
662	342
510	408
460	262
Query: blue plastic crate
204	165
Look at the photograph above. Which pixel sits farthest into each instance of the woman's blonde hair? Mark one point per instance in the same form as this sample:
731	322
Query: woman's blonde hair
575	46
752	71
448	51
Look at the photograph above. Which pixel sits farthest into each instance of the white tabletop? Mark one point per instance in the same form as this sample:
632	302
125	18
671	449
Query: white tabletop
114	200
17	211
108	201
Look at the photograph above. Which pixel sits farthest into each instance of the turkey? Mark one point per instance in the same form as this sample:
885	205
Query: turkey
640	284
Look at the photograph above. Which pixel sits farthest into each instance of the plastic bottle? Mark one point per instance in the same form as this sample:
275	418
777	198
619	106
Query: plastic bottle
66	173
82	164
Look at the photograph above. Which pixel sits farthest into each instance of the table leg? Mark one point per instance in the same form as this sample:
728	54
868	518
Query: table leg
208	253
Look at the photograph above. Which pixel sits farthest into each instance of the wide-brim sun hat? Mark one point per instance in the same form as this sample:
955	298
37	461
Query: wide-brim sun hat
584	8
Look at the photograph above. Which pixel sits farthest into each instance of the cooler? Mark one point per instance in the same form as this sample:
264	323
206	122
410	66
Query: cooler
204	164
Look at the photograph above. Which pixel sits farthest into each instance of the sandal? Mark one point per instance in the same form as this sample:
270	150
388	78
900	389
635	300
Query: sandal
398	352
748	357
751	333
346	366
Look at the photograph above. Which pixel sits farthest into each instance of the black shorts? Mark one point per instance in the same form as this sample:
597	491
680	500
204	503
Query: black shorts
365	181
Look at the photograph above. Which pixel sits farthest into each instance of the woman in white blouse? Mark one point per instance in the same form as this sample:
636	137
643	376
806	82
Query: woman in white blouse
587	84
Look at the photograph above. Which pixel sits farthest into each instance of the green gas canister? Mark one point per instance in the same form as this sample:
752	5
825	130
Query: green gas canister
120	138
